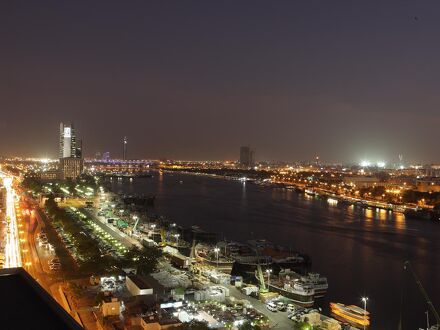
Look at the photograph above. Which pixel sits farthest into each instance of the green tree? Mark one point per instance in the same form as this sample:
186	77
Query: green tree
145	260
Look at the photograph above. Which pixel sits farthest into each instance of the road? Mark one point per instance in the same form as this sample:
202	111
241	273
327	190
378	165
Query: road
12	246
126	240
278	320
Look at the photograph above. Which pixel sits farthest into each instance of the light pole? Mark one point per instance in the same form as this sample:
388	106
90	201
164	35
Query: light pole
177	239
427	320
216	250
268	271
365	299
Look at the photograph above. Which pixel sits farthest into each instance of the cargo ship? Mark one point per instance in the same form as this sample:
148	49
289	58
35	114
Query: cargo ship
350	313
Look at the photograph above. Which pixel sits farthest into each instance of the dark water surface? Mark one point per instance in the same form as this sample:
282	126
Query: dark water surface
361	251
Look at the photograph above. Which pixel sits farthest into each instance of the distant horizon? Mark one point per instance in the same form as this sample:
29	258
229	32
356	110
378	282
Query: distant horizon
289	162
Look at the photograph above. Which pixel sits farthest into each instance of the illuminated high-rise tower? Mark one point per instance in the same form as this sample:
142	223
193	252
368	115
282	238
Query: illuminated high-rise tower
124	148
68	141
71	162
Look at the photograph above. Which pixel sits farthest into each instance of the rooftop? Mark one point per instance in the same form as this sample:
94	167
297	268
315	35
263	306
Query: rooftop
28	306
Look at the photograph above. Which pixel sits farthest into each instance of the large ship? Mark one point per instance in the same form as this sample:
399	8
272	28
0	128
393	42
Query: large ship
267	255
319	283
213	256
350	313
315	280
292	288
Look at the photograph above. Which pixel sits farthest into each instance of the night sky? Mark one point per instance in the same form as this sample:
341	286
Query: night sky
347	80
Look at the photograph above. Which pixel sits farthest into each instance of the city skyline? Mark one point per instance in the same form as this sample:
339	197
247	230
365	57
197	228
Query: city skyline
195	82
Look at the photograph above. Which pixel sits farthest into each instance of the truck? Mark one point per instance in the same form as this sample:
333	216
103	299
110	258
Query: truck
250	290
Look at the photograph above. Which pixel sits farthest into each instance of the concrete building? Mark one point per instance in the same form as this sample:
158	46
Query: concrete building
429	185
363	181
71	168
137	286
163	319
110	306
49	175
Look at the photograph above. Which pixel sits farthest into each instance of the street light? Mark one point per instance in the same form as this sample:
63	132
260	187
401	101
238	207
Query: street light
268	271
216	250
365	299
177	239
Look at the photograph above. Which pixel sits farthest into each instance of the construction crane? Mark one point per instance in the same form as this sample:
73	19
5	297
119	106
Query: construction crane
135	225
407	266
263	288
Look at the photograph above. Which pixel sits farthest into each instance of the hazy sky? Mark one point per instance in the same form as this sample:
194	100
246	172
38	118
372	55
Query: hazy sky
347	80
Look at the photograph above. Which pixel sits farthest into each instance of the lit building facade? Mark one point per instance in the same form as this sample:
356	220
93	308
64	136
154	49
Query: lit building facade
71	167
70	154
67	141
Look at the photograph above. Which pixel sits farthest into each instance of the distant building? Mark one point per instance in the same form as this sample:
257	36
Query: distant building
429	185
50	175
363	181
71	168
106	156
247	156
124	148
67	141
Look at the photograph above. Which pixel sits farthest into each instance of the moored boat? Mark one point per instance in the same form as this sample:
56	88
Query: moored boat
350	313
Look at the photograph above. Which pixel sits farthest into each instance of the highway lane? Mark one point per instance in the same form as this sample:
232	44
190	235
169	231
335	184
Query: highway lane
12	246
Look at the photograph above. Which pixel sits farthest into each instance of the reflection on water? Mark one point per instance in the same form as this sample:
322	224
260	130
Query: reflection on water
361	251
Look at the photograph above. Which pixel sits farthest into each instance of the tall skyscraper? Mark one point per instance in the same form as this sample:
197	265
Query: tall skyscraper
70	154
67	141
247	156
124	148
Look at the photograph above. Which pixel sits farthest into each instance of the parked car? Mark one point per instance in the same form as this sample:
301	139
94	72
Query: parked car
271	306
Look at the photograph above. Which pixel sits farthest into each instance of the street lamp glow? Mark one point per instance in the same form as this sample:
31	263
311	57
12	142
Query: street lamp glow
365	299
268	271
365	163
216	250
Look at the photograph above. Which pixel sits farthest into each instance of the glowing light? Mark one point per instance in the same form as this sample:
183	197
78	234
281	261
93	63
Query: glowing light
381	164
365	163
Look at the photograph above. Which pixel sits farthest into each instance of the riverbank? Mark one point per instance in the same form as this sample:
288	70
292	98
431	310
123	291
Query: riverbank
349	244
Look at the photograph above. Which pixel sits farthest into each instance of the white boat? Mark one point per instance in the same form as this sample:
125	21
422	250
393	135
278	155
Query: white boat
318	282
